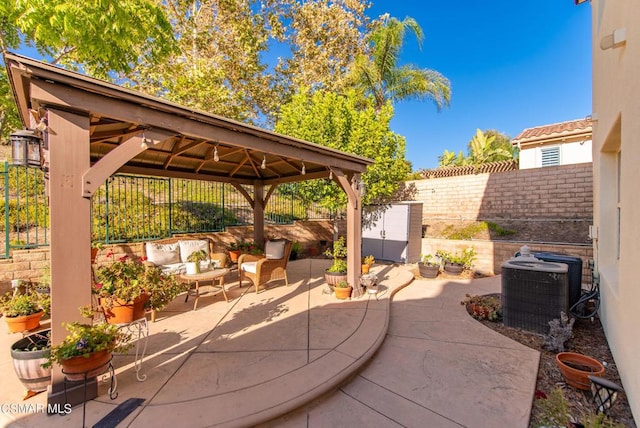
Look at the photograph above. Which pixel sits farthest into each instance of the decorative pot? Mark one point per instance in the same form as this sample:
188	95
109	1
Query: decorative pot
453	269
24	323
28	364
120	312
84	367
576	369
193	268
234	255
333	278
366	268
94	254
428	271
343	293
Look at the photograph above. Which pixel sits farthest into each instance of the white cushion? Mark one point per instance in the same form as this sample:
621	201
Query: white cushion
162	254
173	269
250	267
274	249
190	246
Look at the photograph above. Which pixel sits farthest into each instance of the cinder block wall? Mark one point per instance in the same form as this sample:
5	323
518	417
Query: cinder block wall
561	192
491	254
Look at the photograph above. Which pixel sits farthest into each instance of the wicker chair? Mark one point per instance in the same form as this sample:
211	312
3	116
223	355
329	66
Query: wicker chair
261	269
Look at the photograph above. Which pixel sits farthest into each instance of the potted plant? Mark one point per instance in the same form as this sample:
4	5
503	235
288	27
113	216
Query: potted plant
86	350
23	311
235	250
342	290
295	249
367	262
338	270
455	263
429	266
96	246
28	355
125	286
194	259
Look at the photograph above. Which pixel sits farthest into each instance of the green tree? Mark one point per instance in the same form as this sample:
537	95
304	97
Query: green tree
342	122
323	38
99	38
380	76
217	67
484	147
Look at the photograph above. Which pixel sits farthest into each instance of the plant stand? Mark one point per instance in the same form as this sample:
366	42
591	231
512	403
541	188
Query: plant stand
138	329
86	376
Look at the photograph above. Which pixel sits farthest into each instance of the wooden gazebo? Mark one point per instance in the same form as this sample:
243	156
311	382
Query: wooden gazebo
92	129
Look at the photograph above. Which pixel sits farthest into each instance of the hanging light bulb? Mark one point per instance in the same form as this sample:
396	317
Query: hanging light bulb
330	174
216	158
304	170
264	162
144	144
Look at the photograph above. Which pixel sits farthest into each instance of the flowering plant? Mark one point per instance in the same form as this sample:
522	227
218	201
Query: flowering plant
128	278
84	339
248	247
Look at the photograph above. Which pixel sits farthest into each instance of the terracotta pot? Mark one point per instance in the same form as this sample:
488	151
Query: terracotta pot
234	255
576	369
94	254
28	364
333	278
366	268
121	312
343	293
85	367
24	323
428	271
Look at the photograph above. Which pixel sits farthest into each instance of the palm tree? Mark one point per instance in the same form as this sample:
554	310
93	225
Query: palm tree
489	146
379	74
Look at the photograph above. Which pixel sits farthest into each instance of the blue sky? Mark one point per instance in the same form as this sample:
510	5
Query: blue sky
512	65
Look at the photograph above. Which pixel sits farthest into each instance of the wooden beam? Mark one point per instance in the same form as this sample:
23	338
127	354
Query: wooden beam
140	170
116	158
250	138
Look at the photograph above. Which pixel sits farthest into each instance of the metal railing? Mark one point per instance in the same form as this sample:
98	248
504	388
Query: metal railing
131	208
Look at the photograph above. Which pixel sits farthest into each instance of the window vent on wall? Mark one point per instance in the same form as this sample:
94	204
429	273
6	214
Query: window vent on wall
550	156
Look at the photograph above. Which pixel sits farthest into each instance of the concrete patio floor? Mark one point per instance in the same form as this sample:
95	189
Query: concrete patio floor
297	357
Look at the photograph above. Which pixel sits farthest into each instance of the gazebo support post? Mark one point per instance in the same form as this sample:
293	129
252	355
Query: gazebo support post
70	212
258	213
354	229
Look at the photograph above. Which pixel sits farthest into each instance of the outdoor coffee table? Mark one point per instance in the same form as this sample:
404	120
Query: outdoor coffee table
210	275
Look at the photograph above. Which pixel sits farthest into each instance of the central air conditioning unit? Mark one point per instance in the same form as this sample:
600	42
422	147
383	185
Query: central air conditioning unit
533	293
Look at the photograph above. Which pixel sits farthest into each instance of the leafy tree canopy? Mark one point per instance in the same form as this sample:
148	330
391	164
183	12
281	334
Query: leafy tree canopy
346	123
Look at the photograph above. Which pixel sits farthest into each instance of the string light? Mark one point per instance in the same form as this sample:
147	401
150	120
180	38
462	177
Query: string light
216	158
143	144
330	174
264	162
304	170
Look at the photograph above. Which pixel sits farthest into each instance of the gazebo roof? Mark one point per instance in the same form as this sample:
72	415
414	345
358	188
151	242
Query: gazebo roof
182	142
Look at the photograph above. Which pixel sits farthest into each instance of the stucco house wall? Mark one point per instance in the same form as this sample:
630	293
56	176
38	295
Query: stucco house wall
616	167
570	153
567	142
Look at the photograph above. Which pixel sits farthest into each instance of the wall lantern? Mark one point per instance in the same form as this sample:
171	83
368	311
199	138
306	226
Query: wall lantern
362	188
26	148
604	393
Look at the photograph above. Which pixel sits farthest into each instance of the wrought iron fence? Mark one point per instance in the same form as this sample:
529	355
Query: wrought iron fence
135	208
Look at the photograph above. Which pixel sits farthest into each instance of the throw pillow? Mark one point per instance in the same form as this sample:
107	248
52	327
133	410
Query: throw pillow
192	245
162	254
274	249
